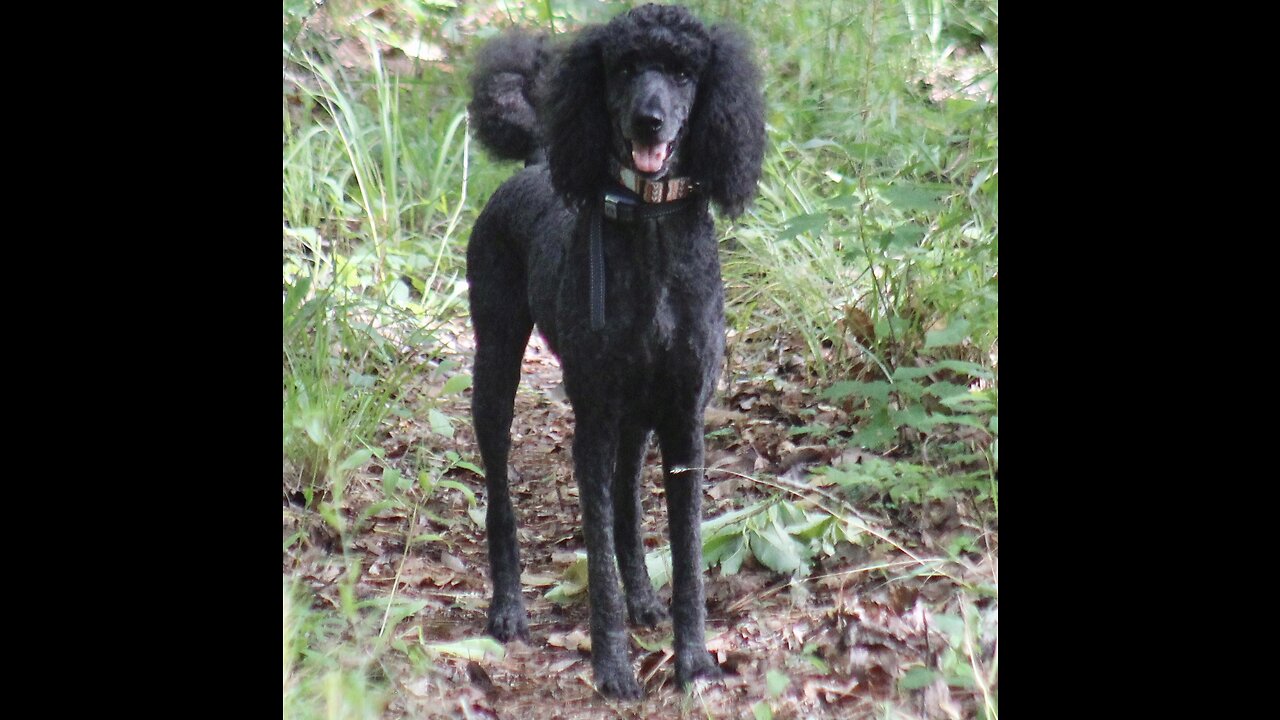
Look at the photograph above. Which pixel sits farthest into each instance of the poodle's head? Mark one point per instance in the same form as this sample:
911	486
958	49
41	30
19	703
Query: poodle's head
663	95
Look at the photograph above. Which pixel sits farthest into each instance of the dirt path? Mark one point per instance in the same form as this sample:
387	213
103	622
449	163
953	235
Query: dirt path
832	646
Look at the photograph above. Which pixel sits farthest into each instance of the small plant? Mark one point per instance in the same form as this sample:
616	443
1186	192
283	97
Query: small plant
779	534
324	677
916	402
339	380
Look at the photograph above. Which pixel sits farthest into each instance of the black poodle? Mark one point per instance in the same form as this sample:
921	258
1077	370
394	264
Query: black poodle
609	248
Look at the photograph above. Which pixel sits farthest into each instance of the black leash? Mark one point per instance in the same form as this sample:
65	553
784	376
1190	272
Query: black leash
597	271
619	208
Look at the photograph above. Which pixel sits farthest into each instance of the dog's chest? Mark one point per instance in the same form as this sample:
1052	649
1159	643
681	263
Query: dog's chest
662	287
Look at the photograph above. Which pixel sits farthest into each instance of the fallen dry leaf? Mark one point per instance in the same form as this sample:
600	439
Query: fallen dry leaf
572	640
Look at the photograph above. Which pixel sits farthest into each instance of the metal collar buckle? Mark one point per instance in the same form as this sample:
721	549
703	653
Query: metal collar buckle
618	206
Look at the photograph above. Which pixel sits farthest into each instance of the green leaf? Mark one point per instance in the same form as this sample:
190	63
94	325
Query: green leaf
314	425
841	390
360	381
945	391
776	550
298	291
654	646
902	238
355	460
375	508
469	466
401	610
776	682
861	150
817	526
963	419
951	625
456	384
761	711
803	224
961	676
909	373
916	678
466	491
915	197
875	432
961	543
732	561
719	545
440	423
470	649
967	368
874	390
565	592
953	334
913	416
658	563
574	583
789	515
969	401
390	481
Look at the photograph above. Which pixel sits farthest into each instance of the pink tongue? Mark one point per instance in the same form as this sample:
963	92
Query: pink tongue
649	159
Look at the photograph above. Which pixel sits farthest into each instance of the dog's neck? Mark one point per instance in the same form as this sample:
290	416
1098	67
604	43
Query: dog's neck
662	190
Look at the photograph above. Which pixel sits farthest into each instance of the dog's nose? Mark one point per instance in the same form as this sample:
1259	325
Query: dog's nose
650	122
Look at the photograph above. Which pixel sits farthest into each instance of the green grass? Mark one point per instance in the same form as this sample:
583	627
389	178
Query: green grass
871	252
876	200
337	684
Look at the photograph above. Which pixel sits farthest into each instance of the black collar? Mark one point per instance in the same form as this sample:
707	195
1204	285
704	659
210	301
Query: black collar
622	206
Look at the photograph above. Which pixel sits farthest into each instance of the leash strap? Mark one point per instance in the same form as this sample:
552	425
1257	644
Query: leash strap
596	270
617	208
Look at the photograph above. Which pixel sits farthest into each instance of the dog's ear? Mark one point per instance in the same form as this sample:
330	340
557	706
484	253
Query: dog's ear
726	133
577	120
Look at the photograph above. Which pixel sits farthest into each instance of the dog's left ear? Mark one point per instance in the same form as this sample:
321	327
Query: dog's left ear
726	132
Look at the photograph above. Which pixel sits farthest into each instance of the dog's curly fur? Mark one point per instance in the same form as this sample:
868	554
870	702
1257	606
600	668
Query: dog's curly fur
652	76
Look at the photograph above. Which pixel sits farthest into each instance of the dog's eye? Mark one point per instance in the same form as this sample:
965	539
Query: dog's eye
682	77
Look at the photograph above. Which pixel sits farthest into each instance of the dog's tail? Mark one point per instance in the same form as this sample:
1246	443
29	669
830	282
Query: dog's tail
504	91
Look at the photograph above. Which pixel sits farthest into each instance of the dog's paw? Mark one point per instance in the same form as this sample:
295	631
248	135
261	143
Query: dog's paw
618	683
646	611
508	622
698	667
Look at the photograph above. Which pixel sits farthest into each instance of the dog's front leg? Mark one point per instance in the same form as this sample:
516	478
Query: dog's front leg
594	448
500	344
643	606
682	464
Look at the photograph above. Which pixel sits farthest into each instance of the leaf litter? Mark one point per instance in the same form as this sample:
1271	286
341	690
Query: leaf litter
867	625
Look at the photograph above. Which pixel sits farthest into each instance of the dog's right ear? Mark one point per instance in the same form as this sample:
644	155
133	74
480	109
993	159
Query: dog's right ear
577	120
726	129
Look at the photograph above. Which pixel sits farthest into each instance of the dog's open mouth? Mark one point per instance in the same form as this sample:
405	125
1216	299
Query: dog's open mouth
650	159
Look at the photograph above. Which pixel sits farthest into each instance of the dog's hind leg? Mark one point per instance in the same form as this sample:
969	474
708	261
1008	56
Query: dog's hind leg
594	449
682	465
500	316
643	606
